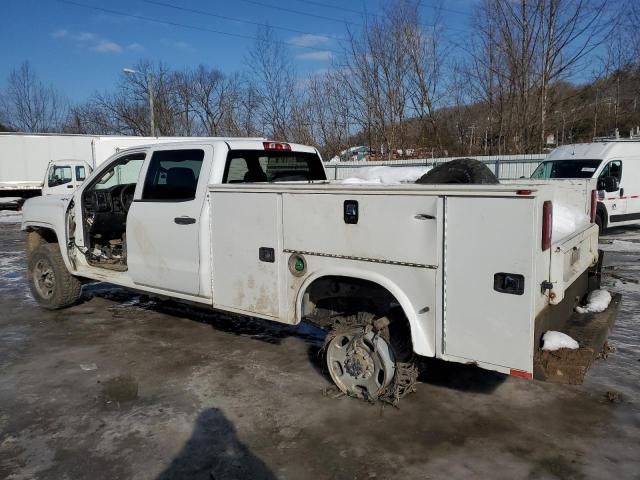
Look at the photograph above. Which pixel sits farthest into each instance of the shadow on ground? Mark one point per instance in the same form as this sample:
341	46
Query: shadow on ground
214	452
433	371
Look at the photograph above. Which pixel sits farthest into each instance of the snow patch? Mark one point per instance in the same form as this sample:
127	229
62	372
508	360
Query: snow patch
10	216
597	301
620	246
4	200
386	175
552	341
567	219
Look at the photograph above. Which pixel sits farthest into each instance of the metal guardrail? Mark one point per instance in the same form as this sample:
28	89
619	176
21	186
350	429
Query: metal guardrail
503	166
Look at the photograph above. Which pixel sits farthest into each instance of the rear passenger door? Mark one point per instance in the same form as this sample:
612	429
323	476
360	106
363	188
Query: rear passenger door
164	221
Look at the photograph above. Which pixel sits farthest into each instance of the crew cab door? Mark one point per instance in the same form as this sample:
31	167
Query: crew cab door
164	221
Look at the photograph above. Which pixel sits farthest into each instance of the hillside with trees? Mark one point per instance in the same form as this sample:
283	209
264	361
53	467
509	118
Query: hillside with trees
528	75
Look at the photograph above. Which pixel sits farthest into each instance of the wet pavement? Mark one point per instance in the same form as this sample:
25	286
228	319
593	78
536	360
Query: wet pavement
122	386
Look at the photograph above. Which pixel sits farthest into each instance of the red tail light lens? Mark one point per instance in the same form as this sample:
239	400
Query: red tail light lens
547	224
593	206
276	146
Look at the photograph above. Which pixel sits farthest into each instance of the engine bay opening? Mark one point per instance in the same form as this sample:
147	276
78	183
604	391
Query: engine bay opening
105	205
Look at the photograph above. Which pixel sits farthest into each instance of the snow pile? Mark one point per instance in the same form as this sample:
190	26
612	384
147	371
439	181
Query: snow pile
10	216
597	301
566	220
386	175
553	341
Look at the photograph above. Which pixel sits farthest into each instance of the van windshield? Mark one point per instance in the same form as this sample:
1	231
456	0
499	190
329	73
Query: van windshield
566	169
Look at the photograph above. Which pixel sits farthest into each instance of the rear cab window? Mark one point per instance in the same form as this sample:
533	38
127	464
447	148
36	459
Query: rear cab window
257	166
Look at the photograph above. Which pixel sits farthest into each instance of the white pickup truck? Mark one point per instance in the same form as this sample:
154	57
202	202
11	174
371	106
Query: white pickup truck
463	273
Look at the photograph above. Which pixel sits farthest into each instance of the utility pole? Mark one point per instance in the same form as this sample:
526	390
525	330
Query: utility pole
152	117
151	110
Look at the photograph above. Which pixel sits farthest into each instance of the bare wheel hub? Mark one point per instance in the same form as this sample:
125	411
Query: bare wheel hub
360	362
44	279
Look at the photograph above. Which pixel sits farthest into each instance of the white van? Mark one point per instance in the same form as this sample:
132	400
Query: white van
615	162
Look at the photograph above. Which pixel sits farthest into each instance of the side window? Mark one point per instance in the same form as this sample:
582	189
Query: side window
125	171
80	174
173	175
59	176
613	169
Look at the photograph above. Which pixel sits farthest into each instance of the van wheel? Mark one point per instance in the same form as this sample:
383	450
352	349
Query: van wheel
364	363
51	284
460	170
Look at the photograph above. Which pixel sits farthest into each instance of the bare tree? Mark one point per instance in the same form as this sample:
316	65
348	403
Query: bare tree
273	80
31	106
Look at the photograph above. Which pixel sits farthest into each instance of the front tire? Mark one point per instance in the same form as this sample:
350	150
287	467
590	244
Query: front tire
51	284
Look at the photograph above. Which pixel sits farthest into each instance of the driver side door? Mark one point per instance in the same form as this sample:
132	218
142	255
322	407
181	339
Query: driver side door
616	201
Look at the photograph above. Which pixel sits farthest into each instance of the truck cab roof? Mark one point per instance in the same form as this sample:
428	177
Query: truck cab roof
233	143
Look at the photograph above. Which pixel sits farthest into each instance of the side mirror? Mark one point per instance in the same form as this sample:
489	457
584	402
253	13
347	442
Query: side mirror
608	184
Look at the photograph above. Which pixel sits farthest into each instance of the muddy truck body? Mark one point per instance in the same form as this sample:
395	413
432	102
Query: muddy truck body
463	273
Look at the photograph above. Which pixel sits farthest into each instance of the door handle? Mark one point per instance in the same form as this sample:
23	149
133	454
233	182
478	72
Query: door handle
69	186
622	192
184	220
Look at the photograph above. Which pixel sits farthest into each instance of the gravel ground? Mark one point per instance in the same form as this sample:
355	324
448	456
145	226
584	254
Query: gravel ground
120	386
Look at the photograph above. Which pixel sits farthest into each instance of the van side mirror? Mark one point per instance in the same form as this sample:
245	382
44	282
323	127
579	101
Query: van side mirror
608	184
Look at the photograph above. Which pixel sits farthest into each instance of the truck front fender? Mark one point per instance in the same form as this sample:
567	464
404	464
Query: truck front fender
48	213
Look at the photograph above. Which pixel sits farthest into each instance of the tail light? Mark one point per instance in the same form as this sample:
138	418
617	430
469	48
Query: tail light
276	146
593	206
547	224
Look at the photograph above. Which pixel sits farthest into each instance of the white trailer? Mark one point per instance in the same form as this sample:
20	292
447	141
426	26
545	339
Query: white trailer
35	164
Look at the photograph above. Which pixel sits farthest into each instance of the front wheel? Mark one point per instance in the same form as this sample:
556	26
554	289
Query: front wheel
51	284
365	363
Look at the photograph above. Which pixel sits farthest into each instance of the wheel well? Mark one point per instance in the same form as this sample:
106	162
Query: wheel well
329	296
37	236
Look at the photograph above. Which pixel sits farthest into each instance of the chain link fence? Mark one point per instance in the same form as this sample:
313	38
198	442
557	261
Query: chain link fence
502	166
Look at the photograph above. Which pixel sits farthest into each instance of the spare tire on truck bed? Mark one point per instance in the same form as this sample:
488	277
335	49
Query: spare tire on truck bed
461	170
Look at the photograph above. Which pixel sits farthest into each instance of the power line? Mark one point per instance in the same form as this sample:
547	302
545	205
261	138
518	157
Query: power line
191	27
298	12
360	12
232	19
346	22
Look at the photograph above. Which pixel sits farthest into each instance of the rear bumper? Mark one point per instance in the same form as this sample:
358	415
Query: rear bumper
591	331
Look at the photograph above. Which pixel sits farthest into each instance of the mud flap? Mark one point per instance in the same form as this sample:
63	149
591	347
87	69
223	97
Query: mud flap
591	331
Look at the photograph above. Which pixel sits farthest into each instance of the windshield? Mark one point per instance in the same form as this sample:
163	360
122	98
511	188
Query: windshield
566	169
250	166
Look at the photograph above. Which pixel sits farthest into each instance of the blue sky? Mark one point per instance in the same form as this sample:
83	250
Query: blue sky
81	50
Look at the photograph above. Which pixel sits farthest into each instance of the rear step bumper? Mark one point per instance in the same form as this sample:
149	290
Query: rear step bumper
591	331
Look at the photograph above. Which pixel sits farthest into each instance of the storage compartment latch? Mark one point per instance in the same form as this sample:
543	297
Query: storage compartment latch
512	283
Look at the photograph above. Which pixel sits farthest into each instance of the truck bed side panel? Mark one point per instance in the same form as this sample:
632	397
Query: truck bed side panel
484	237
